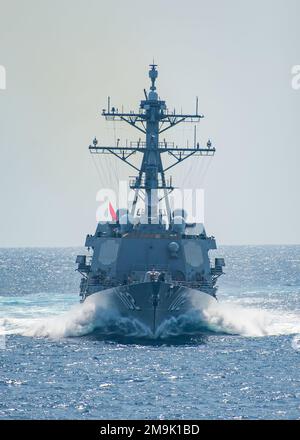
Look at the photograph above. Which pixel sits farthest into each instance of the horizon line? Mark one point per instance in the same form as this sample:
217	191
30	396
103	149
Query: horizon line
83	246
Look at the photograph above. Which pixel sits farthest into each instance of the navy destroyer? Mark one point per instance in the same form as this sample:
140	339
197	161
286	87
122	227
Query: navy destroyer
151	265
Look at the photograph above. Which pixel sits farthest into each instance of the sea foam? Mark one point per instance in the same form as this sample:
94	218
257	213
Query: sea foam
96	315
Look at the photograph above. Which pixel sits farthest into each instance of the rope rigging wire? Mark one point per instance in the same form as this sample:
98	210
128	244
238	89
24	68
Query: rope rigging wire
108	168
196	171
116	161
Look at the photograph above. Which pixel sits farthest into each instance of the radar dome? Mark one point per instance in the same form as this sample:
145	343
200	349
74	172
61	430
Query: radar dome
179	212
173	248
178	224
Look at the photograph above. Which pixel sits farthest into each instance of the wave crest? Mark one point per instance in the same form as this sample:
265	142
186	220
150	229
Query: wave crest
96	315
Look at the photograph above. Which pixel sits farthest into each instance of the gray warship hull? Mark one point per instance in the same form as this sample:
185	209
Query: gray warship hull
150	258
153	304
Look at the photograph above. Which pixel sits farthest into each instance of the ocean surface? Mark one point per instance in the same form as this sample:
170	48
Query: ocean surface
63	360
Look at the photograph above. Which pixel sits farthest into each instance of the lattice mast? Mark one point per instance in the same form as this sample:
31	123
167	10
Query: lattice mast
152	120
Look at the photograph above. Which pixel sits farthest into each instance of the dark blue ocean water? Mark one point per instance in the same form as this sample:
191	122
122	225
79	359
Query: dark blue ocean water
56	362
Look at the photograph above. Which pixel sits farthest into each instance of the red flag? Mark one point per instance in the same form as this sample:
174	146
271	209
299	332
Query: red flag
112	212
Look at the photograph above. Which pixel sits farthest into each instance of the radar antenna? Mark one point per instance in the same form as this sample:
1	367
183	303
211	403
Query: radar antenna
152	120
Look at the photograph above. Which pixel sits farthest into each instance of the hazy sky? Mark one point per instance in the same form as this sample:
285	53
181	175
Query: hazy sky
62	59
